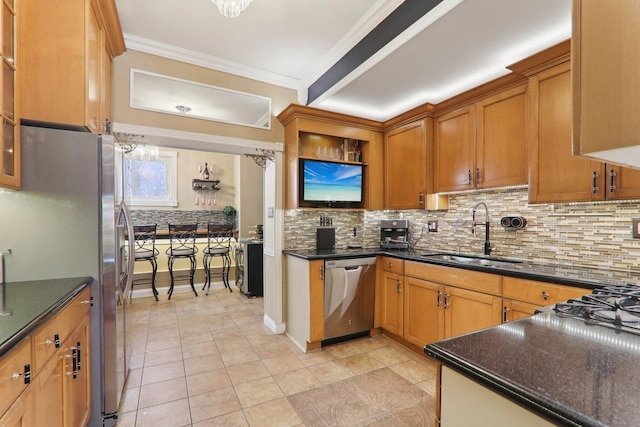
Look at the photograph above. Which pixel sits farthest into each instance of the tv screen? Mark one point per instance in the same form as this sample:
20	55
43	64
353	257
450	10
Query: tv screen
330	184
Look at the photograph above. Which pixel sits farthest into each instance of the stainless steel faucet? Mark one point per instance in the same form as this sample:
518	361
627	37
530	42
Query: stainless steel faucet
487	242
3	291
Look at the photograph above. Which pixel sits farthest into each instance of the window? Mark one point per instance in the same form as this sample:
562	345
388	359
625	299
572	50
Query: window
151	182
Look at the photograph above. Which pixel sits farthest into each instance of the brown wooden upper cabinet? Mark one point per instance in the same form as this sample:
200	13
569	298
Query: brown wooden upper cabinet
10	140
405	165
306	129
606	89
66	55
482	145
555	174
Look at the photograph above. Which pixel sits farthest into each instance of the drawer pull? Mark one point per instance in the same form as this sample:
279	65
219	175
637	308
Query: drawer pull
56	339
545	296
390	265
26	375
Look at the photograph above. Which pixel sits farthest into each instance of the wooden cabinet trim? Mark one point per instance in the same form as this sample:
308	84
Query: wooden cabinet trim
13	363
538	293
458	277
316	298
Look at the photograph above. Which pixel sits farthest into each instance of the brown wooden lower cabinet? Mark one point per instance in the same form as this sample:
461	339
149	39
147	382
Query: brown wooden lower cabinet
514	310
59	392
392	303
20	414
431	311
430	303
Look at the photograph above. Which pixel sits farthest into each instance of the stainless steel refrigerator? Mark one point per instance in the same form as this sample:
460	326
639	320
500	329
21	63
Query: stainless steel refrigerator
65	222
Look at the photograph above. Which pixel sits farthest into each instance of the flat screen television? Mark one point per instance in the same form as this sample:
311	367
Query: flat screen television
327	184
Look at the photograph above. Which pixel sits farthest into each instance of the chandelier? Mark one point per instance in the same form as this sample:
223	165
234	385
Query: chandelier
231	8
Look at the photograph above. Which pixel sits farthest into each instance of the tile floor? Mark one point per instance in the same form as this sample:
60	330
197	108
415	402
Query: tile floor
209	361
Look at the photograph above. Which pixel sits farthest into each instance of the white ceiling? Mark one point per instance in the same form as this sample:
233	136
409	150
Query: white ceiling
458	45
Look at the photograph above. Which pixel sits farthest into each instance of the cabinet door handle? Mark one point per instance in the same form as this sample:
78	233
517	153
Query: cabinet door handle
478	176
594	187
398	283
505	310
469	177
421	198
612	186
79	355
74	362
322	272
438	300
545	296
446	300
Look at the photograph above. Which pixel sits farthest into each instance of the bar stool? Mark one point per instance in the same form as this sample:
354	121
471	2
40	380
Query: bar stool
182	244
145	250
219	239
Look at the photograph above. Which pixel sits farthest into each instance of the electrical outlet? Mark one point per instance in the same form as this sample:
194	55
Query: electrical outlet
636	228
432	225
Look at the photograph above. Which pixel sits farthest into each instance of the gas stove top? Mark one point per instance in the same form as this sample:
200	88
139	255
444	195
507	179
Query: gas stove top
612	306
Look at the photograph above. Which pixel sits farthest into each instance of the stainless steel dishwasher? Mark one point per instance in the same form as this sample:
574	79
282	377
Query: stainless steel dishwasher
349	294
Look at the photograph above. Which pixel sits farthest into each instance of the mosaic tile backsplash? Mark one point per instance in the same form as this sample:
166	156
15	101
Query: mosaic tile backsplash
596	235
163	217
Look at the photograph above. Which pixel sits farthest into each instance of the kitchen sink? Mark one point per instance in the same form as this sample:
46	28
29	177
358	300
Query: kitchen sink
472	260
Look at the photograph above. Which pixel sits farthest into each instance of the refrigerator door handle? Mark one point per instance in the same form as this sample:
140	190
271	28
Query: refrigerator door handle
126	214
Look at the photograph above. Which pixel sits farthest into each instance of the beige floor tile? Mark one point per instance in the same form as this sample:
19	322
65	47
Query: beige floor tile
170	414
414	371
389	356
342	350
213	403
129	399
207	381
247	372
258	391
196	337
226	345
134	379
238	357
163	343
199	349
163	333
273	349
204	363
315	358
162	372
278	364
232	419
429	386
276	413
331	372
292	382
137	360
127	419
361	363
162	356
260	337
162	392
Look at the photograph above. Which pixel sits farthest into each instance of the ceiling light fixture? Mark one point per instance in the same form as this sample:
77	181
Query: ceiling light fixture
183	109
231	8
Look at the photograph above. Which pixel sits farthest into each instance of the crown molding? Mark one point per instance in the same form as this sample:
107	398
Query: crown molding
191	57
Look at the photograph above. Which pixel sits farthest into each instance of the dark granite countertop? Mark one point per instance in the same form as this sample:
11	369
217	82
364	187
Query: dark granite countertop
582	277
568	371
33	302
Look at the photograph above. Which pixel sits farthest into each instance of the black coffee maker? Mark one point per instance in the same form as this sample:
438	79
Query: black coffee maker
394	234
